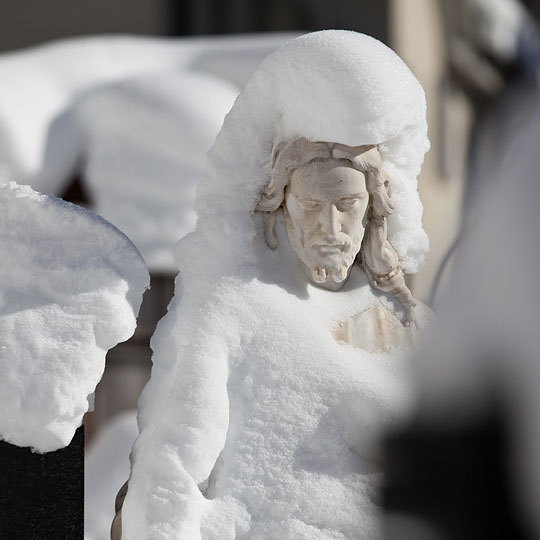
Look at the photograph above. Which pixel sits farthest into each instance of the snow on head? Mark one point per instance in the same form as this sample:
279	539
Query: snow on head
70	289
257	423
333	86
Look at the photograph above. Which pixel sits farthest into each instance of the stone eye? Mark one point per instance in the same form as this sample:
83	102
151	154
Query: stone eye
311	205
347	204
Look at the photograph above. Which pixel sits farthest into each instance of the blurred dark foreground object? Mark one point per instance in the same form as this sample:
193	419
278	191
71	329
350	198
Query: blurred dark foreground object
450	483
467	467
468	464
42	495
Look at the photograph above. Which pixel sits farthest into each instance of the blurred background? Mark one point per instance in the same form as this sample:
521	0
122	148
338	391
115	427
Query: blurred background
114	104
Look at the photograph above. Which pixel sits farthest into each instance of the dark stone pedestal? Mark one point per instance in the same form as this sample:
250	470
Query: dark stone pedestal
42	496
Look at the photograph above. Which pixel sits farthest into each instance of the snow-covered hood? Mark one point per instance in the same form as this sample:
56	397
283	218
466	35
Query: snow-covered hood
335	86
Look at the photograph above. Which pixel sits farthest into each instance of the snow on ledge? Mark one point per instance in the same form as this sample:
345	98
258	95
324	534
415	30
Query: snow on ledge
70	289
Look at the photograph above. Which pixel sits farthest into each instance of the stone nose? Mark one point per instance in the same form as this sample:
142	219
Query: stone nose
329	220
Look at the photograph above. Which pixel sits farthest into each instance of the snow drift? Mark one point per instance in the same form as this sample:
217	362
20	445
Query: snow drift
70	289
39	83
133	117
256	423
143	144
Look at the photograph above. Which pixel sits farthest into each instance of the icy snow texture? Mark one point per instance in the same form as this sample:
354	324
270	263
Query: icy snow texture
70	289
134	116
256	423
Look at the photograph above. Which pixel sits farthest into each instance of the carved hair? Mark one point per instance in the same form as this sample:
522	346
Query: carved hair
377	256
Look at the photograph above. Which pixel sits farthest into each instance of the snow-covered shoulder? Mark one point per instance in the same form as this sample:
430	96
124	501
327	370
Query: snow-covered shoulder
70	289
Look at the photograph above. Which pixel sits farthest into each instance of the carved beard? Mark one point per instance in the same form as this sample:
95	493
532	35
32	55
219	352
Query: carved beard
330	266
323	267
334	268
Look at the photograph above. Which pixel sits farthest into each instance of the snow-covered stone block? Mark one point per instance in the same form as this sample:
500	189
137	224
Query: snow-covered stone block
70	289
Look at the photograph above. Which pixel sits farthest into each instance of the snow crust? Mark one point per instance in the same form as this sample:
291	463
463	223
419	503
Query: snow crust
256	424
70	289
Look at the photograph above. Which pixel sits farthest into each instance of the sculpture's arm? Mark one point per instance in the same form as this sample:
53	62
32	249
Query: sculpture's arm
184	416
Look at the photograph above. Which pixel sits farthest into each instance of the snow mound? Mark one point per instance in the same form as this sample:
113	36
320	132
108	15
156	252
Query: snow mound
256	423
144	144
40	83
71	291
135	123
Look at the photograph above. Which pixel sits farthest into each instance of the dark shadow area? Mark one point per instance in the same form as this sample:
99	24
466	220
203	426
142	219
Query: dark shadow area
198	17
42	495
76	192
454	480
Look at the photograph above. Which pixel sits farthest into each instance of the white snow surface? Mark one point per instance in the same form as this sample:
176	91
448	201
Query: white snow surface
144	142
134	117
41	82
70	290
256	424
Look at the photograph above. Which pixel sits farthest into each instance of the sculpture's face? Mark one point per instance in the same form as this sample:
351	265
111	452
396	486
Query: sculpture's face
325	205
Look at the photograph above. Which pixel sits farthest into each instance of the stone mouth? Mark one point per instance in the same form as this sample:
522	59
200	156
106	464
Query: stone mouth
327	249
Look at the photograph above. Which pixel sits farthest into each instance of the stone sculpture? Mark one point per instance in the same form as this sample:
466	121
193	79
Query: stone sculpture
275	369
336	200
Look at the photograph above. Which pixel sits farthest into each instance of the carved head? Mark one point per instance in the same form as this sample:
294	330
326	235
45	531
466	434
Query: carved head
325	205
336	200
